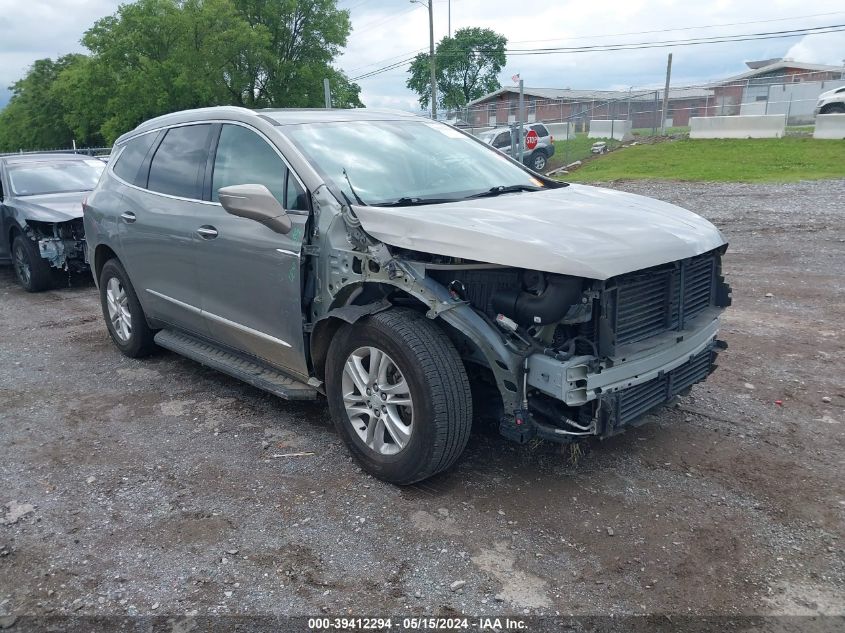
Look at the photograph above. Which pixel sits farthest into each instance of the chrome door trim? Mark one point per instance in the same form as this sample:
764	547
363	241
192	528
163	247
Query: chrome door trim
220	319
181	304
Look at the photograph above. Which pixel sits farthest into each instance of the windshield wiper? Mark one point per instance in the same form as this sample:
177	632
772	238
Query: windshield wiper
414	202
500	189
352	189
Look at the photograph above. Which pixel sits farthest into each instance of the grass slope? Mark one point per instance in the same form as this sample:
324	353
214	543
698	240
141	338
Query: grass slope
720	160
576	148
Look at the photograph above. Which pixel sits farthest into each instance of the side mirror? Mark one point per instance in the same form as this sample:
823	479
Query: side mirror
255	202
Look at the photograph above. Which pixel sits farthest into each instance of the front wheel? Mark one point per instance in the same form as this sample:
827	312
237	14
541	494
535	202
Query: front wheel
399	395
32	271
122	311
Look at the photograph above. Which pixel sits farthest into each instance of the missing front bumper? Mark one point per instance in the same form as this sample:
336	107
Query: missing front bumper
614	411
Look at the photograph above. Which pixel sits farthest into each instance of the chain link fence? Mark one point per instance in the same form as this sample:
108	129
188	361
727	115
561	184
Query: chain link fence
584	123
83	151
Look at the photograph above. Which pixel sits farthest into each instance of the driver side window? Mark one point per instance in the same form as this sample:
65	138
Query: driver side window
243	158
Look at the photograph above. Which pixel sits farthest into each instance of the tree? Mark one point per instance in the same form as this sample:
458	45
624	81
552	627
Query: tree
304	36
158	56
34	114
467	67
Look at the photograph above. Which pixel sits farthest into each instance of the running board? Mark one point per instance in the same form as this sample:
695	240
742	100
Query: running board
236	366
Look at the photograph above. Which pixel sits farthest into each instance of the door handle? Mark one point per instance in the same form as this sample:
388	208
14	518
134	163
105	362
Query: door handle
207	232
128	217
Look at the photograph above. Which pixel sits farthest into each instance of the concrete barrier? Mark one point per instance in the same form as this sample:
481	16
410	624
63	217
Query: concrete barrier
750	126
560	130
618	129
831	126
477	131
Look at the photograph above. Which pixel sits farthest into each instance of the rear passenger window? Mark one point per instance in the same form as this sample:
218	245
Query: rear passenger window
244	158
503	140
540	129
133	154
179	162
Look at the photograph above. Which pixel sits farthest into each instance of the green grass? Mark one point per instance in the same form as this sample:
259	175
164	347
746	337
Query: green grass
670	131
720	160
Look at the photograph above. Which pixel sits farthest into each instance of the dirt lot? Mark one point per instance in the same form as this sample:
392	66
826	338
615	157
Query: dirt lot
156	486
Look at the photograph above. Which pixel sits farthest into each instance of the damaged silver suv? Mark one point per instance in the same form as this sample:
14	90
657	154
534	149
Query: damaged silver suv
413	275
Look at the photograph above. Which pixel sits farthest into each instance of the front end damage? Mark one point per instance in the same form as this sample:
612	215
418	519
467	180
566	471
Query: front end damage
61	244
598	355
556	357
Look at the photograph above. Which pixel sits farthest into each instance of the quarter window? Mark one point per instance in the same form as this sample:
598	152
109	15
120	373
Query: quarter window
129	162
295	197
244	158
540	129
503	140
179	162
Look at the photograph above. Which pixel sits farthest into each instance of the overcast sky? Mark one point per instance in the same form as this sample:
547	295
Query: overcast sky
385	31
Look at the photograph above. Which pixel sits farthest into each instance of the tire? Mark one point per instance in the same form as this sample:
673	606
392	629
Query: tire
437	422
125	317
31	270
538	162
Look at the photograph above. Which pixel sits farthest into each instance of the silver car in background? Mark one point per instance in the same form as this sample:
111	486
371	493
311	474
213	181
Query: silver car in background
408	272
537	158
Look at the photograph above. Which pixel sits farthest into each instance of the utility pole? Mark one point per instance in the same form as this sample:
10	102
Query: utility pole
430	5
327	92
666	96
450	19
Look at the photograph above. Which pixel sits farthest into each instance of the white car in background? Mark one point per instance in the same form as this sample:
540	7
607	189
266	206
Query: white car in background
831	102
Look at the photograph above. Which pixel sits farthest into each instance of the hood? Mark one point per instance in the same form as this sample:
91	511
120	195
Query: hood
830	93
54	207
575	230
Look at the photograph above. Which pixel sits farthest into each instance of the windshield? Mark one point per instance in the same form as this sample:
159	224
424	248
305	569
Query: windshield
384	162
29	179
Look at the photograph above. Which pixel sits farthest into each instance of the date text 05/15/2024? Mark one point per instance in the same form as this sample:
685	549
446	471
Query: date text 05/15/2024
416	624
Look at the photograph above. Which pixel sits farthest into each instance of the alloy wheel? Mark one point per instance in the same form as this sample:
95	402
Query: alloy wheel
377	400
22	265
117	302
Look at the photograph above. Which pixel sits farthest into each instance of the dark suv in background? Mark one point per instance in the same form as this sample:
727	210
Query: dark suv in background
41	230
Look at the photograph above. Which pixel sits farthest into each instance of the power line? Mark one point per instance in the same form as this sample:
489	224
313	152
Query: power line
387	59
383	20
835	28
717	39
683	28
581	37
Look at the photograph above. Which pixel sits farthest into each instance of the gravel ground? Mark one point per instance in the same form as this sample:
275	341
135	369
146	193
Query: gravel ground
161	487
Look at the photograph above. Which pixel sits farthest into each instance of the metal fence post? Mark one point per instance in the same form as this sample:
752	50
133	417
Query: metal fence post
521	118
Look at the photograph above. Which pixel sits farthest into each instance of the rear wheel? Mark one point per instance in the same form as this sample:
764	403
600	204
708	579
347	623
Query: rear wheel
32	271
122	311
399	395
